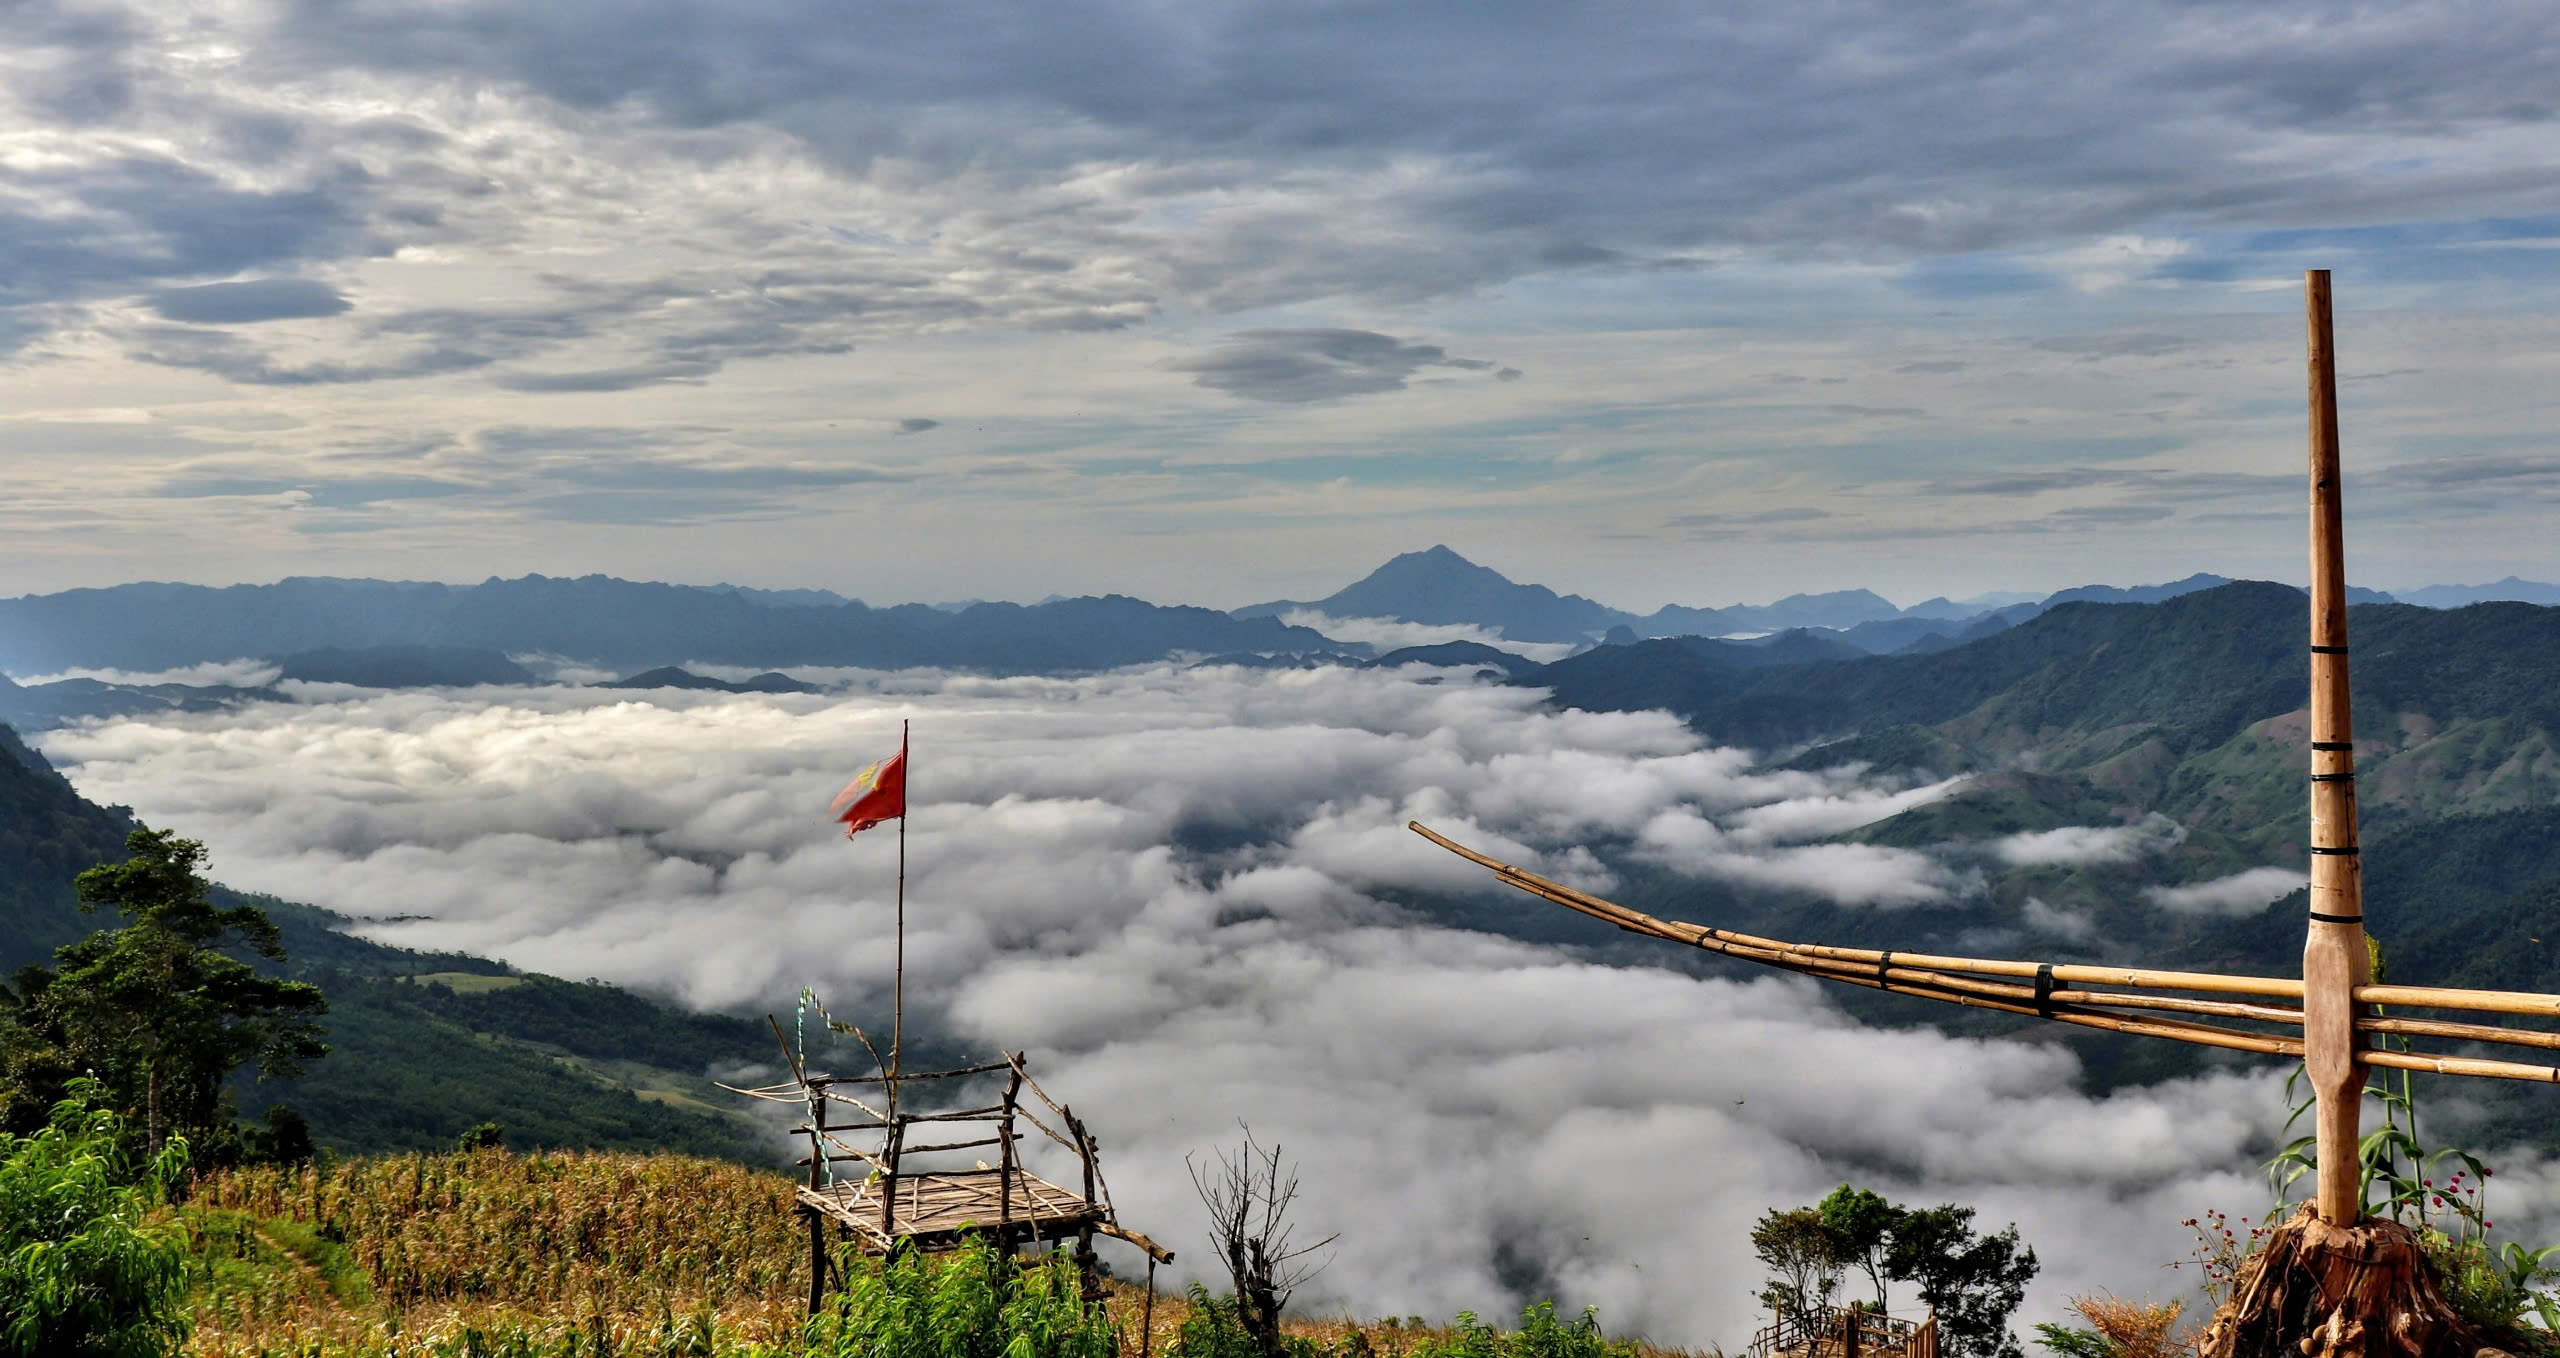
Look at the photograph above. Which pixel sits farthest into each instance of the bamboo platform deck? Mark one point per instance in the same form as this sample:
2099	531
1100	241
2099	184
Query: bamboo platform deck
932	1211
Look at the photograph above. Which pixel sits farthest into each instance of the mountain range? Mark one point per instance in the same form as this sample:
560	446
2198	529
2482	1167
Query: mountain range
604	621
382	632
2180	719
1438	586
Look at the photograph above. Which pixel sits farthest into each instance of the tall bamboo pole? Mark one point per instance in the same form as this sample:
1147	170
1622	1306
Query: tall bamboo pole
2334	959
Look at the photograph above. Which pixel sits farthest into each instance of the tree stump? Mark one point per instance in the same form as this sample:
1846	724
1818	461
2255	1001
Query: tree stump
2316	1290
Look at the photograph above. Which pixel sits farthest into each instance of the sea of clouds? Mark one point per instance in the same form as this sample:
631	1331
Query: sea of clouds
1178	890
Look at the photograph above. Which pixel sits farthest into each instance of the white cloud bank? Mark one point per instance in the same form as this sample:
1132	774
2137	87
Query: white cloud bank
1395	634
2241	893
1168	886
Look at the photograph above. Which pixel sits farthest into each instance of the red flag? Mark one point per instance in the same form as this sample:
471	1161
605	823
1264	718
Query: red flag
876	794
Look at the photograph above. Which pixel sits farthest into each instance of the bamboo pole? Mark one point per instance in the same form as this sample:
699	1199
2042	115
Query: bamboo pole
1699	935
2334	957
1902	974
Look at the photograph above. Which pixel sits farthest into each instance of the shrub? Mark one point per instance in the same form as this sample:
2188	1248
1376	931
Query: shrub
970	1303
82	1270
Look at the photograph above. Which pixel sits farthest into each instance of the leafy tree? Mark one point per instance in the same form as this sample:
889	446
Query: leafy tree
1803	1258
1861	1224
156	1008
285	1140
81	1270
483	1137
1974	1282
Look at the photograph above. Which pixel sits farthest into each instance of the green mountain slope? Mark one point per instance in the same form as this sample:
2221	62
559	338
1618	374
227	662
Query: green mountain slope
423	1045
2191	707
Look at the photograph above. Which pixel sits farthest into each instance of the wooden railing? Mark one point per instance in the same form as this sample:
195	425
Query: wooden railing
1847	1332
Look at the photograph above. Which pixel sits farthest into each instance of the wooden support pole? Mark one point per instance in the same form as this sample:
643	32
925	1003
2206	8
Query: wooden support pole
2334	959
1005	1163
1084	1237
817	1220
1147	1321
890	1152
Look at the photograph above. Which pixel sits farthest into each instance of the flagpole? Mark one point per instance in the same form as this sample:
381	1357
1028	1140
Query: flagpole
898	982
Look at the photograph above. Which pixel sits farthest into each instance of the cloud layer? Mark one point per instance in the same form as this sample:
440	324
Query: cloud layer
1181	890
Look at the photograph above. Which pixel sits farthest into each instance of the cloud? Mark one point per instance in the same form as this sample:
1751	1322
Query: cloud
1846	874
242	673
610	379
266	299
2241	893
2096	347
2079	845
1190	896
917	424
2062	922
1395	634
1314	365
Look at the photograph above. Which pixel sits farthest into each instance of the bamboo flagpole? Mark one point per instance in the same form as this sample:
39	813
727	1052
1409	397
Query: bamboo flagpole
898	975
877	794
2335	959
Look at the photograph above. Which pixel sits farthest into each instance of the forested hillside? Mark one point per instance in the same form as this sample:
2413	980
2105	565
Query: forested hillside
422	1045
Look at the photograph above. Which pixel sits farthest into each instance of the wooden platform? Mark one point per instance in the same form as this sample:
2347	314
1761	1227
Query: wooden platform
933	1211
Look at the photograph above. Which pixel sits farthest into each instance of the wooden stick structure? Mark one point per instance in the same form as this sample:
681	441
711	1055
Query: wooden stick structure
901	1204
2333	1004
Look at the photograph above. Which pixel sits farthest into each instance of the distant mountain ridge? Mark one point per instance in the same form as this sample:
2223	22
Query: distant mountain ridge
606	621
1440	587
2189	706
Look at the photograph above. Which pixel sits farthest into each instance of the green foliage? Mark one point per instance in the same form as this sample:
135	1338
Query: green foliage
1803	1258
1540	1335
482	1137
1215	1329
2067	1342
156	1009
1860	1223
82	1270
2492	1290
970	1303
1973	1282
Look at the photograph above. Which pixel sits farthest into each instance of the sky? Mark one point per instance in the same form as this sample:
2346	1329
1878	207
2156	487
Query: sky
1216	302
1179	891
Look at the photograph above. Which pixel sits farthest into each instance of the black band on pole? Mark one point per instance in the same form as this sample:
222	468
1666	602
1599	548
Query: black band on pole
2328	650
2333	778
2349	851
2347	745
2336	919
1884	963
2044	989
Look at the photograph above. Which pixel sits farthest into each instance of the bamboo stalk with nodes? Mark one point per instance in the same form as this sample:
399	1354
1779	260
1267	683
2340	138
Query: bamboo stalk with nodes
2331	1282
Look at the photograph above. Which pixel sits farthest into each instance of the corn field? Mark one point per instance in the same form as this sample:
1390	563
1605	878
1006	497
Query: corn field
573	1247
490	1254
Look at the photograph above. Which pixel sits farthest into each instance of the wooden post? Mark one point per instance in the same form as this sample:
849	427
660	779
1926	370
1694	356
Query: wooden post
1147	1321
817	1220
2334	959
1849	1332
889	1151
1005	1160
1084	1235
